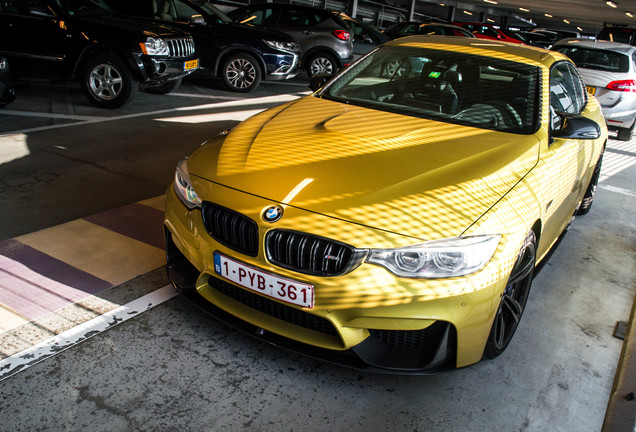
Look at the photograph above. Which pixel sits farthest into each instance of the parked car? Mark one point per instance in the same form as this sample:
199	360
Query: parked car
486	31
390	223
365	36
84	40
625	35
241	55
324	37
609	72
529	38
7	83
411	28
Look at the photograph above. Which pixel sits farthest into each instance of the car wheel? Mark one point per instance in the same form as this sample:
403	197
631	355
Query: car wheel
108	82
241	73
165	87
513	299
395	69
321	63
625	134
588	198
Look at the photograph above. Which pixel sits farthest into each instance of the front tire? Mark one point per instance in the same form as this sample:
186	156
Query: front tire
321	63
241	73
513	299
107	81
588	198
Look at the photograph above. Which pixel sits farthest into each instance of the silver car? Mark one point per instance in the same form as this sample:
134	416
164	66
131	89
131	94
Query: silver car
609	72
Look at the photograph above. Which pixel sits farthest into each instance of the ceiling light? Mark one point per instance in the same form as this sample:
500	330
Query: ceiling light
610	3
629	14
548	15
490	20
566	21
524	9
491	1
579	29
468	13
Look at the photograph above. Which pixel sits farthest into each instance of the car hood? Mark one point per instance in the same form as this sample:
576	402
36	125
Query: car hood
139	27
406	175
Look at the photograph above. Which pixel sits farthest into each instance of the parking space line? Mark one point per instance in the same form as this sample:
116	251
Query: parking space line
63	341
93	120
51	115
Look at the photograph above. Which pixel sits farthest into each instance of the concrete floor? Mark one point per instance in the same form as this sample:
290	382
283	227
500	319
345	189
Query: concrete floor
172	368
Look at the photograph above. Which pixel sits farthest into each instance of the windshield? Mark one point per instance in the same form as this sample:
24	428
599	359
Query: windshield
479	91
213	12
587	58
85	7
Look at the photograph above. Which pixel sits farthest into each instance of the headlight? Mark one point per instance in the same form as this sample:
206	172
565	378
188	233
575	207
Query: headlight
285	46
183	187
154	47
446	258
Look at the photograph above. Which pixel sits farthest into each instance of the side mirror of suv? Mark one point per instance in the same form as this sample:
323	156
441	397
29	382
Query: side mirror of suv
196	19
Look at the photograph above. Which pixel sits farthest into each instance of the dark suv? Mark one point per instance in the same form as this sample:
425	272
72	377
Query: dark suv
241	55
82	39
325	39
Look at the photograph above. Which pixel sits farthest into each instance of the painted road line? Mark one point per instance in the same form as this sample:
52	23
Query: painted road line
68	339
619	190
278	99
52	115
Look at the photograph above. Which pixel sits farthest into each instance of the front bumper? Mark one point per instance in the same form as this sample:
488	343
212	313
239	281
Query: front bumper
366	319
156	70
280	65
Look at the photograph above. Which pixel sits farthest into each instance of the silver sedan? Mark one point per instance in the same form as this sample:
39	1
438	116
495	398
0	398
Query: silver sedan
608	70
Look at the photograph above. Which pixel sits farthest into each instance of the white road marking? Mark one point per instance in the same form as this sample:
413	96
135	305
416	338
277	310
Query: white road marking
68	339
619	190
93	120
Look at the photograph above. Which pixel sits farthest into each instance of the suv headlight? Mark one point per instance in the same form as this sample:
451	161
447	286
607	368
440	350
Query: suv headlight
154	47
183	186
285	46
453	257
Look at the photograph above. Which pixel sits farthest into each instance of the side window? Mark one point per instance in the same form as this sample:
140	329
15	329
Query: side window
297	18
489	32
567	91
408	29
31	7
258	17
178	10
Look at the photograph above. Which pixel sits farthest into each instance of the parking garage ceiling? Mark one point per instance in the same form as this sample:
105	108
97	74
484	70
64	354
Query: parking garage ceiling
588	15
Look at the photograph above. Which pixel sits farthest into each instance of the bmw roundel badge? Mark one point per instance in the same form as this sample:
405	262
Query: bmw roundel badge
272	213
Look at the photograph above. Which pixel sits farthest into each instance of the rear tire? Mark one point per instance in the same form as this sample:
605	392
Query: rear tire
107	81
321	63
625	134
164	88
513	299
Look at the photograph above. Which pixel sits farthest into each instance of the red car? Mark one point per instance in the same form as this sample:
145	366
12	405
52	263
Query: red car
486	31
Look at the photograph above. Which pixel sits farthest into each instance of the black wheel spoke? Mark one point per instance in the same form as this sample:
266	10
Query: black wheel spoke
513	307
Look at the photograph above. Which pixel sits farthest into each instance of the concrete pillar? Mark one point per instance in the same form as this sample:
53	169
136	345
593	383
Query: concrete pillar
352	8
451	14
411	10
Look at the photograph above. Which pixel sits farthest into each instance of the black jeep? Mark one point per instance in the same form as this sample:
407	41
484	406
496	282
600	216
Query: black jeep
84	40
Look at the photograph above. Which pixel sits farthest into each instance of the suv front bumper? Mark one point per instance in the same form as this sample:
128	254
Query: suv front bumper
155	70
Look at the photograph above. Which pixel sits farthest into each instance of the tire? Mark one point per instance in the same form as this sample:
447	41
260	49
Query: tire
165	87
588	198
241	73
513	299
625	134
395	69
321	63
107	81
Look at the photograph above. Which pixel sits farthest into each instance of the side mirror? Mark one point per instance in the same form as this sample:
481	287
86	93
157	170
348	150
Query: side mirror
196	19
319	80
570	126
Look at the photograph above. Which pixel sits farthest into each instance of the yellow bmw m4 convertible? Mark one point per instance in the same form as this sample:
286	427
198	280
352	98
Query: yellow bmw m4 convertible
392	220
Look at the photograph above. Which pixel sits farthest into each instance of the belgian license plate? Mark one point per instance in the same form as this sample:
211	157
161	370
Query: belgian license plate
287	290
191	64
591	90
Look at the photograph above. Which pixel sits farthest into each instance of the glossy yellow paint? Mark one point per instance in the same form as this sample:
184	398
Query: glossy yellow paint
374	179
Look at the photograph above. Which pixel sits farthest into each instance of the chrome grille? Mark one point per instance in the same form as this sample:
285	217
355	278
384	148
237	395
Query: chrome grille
230	228
183	47
308	254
